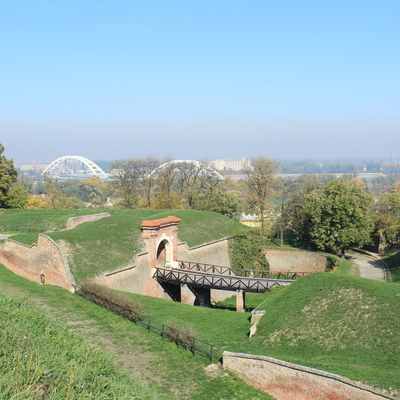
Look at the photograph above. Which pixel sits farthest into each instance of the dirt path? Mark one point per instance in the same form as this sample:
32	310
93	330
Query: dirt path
370	265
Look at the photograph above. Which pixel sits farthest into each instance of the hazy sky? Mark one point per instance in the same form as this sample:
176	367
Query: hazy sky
199	79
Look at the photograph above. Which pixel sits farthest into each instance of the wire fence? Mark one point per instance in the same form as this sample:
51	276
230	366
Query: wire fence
181	339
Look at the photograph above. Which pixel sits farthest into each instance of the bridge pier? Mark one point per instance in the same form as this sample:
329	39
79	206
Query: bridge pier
240	300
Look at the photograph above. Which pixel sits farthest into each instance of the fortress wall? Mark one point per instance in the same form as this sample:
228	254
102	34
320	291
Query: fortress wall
73	222
215	253
287	381
136	277
295	261
44	262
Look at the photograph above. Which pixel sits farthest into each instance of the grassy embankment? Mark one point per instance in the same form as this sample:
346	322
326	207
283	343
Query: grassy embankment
392	259
169	370
39	359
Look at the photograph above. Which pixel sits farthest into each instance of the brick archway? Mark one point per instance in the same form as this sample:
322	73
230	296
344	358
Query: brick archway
161	238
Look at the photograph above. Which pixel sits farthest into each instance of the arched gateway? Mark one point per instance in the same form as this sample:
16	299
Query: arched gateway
161	238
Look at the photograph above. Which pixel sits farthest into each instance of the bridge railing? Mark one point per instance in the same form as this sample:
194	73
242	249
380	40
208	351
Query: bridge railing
217	281
250	273
214	269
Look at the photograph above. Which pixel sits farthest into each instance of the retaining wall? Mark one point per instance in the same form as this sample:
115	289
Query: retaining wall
295	261
73	222
287	381
44	262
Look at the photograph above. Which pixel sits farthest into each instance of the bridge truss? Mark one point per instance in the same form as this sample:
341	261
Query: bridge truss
77	167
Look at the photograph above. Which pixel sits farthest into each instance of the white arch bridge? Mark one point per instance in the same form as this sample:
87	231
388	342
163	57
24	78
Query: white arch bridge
76	167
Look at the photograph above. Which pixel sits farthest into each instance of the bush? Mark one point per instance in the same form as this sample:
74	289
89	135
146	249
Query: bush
184	335
332	263
112	300
246	251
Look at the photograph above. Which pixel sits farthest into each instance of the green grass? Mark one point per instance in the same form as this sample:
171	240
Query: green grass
339	323
112	242
392	259
169	370
50	219
39	359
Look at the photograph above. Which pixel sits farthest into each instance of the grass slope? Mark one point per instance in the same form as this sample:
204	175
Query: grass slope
172	371
39	359
112	242
339	323
392	259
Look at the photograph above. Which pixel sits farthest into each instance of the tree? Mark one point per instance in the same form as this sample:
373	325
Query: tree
127	174
297	208
17	197
285	189
340	217
94	189
260	180
387	219
221	202
8	177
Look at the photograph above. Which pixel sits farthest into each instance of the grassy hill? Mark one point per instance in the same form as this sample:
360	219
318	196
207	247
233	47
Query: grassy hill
40	359
339	323
111	243
171	372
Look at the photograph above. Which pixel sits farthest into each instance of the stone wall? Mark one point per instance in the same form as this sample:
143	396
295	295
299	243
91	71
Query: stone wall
44	262
287	381
73	222
295	261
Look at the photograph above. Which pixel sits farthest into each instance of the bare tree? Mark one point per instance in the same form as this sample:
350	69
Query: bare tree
261	176
126	174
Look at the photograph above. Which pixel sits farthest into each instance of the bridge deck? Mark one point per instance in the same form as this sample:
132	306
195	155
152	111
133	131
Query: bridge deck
217	281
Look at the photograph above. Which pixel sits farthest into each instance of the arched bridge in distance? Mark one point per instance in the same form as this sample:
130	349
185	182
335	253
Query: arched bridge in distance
76	167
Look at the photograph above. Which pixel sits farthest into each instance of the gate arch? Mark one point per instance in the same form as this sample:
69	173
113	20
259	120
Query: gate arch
161	238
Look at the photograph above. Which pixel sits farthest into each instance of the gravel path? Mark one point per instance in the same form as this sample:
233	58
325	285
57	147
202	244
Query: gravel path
370	265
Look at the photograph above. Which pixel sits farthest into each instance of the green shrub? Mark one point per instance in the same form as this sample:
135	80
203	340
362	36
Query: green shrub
332	263
246	251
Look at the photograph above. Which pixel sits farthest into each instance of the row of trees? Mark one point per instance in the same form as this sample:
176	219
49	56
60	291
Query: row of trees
332	214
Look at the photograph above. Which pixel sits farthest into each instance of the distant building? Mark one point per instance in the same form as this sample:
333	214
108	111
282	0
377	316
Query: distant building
252	220
230	165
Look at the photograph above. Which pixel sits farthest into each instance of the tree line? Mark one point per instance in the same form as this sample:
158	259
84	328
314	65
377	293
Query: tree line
330	214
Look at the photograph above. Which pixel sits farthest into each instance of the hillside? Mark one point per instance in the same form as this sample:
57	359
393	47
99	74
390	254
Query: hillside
335	322
40	359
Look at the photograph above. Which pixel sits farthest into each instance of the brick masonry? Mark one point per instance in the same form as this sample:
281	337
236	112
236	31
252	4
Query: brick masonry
295	261
287	381
44	262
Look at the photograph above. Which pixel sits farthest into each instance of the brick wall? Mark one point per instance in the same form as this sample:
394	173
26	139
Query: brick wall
287	381
295	261
44	262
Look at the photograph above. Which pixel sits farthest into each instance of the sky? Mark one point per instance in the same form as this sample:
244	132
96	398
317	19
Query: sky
199	79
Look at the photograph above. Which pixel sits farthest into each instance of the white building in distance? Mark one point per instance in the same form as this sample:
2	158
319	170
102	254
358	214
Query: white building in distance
230	165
